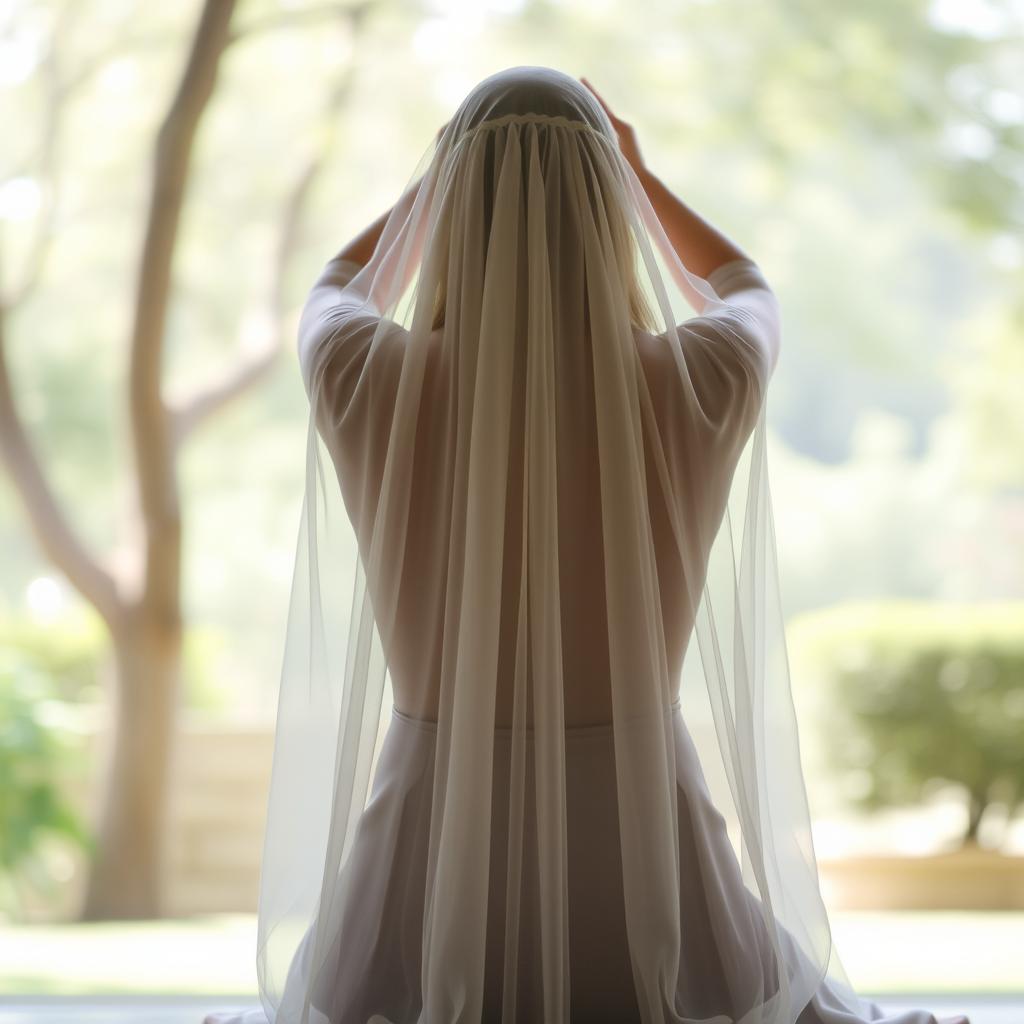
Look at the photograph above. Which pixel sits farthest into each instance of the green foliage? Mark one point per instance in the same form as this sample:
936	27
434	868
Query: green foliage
67	654
34	752
70	655
923	694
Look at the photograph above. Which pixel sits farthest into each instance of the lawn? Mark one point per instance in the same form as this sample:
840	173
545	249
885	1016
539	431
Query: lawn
884	953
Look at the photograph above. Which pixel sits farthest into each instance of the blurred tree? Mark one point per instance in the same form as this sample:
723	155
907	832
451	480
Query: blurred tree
923	694
143	610
832	138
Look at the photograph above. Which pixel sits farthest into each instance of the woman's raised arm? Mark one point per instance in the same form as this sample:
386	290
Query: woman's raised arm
700	246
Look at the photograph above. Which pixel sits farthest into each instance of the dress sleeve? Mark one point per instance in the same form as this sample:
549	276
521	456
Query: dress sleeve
335	322
733	350
729	355
359	380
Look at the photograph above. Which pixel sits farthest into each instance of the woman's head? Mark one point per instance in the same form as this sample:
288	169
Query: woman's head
530	90
558	105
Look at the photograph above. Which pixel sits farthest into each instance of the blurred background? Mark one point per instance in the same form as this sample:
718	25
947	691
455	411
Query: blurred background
172	180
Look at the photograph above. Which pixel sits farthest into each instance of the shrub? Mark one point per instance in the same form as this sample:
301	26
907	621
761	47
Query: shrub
33	748
923	693
69	654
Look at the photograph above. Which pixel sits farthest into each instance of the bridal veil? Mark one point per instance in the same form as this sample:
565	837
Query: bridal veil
524	317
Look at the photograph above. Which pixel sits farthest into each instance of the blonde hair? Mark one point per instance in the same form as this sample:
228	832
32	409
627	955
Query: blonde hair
624	244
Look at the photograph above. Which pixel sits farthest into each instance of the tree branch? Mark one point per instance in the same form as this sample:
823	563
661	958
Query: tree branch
158	495
187	414
191	411
294	18
53	531
54	534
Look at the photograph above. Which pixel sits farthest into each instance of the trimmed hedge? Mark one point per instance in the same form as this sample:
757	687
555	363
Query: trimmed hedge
921	694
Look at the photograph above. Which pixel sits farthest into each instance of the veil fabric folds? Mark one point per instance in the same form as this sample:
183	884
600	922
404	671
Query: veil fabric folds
537	507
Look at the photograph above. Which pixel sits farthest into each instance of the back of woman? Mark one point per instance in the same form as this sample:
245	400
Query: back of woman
537	498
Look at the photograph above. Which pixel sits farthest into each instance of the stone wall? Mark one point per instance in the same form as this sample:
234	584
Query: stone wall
221	779
218	804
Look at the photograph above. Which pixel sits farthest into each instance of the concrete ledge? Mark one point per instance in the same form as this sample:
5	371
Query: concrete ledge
967	879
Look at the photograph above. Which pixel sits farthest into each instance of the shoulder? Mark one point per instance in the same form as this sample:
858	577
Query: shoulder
341	335
737	341
720	361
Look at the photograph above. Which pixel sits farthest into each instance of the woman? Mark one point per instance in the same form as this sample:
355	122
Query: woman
541	452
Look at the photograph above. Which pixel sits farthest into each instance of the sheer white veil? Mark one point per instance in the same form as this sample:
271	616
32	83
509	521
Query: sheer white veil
484	393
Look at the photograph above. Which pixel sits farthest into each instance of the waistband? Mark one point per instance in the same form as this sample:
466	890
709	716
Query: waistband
573	733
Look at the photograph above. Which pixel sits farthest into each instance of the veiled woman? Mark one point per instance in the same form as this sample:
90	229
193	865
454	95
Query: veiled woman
537	520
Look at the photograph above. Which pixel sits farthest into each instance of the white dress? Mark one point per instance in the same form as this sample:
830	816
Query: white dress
373	966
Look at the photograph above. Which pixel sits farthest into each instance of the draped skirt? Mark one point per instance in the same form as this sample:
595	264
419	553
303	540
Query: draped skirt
372	970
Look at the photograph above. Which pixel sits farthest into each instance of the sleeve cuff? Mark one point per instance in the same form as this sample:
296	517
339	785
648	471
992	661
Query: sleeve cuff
736	275
339	271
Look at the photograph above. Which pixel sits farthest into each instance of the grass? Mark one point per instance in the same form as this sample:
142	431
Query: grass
943	952
209	954
883	953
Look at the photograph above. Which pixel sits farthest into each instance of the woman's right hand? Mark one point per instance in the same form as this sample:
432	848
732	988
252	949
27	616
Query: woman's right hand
625	132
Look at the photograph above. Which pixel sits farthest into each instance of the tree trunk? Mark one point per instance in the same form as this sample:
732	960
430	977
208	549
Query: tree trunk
125	880
142	608
126	876
975	812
